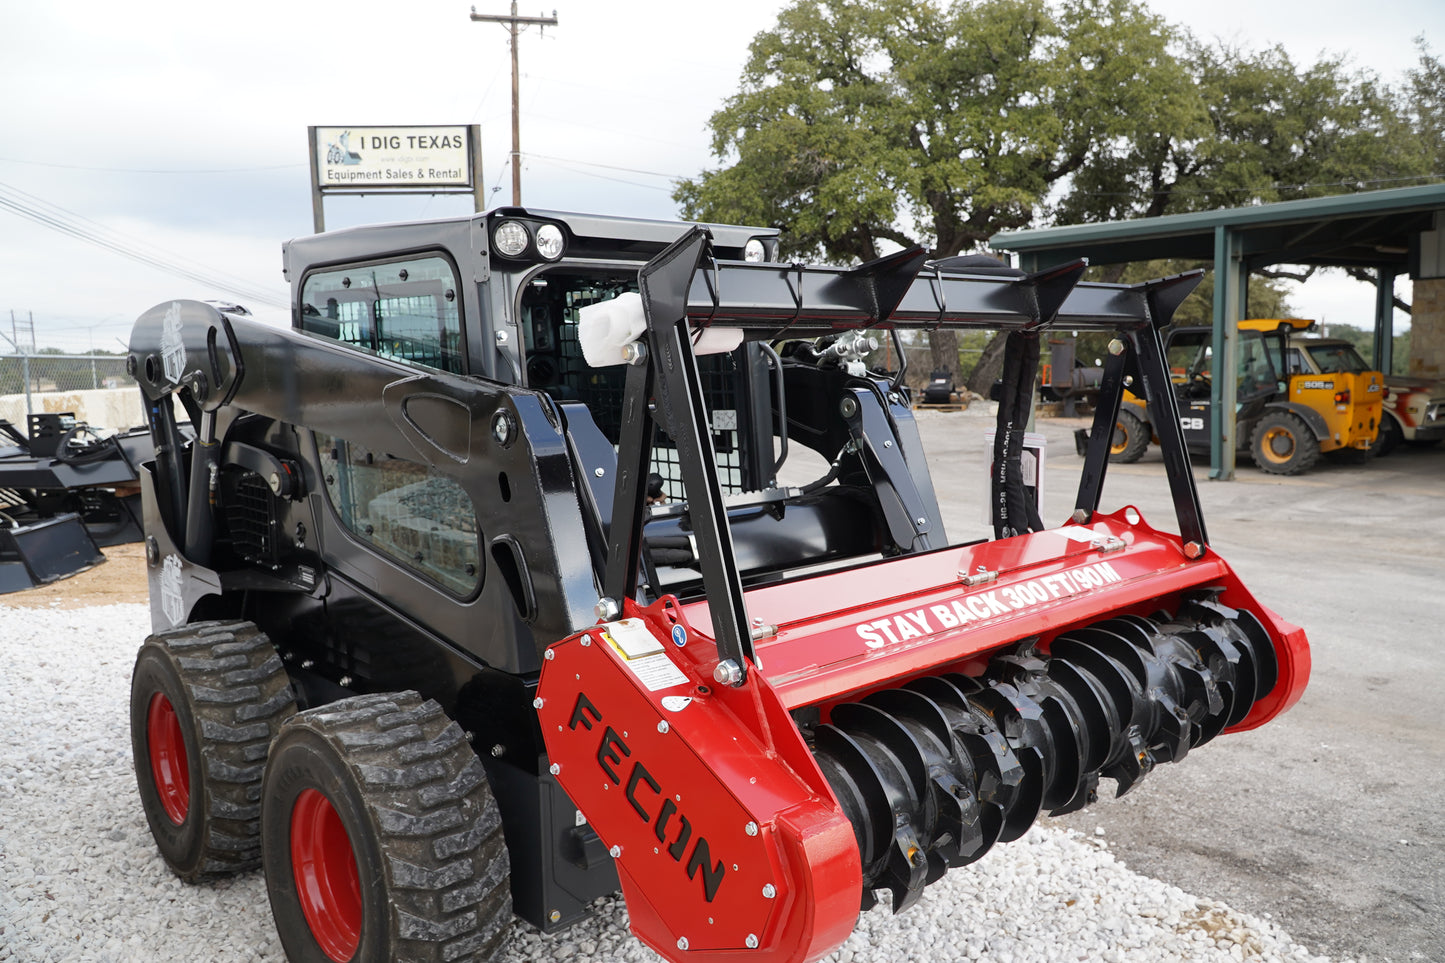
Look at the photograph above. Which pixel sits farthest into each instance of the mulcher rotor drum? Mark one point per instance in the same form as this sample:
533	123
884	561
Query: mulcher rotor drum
934	773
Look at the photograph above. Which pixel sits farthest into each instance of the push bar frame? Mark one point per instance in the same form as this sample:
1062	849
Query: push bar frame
685	288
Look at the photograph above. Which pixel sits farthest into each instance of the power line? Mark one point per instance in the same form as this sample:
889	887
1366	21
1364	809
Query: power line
67	222
609	167
149	170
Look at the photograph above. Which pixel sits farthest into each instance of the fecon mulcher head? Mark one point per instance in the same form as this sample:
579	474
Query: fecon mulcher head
477	591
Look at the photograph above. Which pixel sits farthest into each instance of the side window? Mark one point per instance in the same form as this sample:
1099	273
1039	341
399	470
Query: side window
1297	363
1254	371
1188	356
404	510
404	309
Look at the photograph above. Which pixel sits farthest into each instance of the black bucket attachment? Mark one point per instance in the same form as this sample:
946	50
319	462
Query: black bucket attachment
45	551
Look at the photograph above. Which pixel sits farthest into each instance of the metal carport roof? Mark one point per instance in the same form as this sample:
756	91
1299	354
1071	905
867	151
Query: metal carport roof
1385	230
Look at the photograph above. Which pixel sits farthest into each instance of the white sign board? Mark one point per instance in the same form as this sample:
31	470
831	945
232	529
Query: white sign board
378	158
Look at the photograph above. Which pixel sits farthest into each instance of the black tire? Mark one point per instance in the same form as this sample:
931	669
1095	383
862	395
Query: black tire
205	702
1389	437
1131	438
381	838
1282	444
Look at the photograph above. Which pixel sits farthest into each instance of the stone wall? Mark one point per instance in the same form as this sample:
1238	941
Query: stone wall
113	409
1427	329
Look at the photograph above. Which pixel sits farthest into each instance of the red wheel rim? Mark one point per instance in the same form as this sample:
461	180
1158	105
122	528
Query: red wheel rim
327	883
169	769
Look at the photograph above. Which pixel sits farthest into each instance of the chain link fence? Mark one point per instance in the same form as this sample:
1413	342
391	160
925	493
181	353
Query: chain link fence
29	383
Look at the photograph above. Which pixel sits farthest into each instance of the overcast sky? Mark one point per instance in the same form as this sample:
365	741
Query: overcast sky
178	129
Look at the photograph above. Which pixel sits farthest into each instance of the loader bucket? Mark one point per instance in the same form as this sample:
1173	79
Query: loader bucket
45	551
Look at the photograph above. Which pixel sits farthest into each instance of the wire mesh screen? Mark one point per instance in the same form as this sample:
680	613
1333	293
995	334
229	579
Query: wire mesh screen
555	363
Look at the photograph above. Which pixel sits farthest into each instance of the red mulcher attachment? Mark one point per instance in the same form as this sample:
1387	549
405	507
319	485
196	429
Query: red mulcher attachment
932	732
758	779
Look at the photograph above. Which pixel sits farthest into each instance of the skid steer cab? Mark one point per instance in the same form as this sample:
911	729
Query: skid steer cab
493	585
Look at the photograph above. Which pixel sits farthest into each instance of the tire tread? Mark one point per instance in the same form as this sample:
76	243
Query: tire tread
439	829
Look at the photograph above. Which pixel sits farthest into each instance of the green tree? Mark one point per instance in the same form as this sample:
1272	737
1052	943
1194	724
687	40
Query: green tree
1266	130
862	123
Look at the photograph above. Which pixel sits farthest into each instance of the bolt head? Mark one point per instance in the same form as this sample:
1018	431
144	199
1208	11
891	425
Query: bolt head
728	673
615	851
599	471
555	768
498	751
751	828
502	338
769	891
1193	550
555	915
1080	516
682	942
549	655
848	407
752	941
502	428
537	703
662	726
1116	347
606	609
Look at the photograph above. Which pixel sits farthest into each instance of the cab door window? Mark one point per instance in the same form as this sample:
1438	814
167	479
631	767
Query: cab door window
406	511
404	309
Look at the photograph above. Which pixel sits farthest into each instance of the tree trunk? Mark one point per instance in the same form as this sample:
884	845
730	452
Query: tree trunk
943	351
990	366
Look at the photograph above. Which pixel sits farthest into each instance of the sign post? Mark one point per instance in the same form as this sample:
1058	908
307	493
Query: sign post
393	160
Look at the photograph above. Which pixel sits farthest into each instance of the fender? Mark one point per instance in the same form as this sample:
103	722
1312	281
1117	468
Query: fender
1137	410
1309	415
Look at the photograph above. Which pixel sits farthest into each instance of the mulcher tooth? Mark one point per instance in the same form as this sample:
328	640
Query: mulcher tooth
960	840
1086	794
998	774
1132	766
907	870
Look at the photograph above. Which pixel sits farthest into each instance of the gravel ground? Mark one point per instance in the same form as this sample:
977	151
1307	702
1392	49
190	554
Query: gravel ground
80	879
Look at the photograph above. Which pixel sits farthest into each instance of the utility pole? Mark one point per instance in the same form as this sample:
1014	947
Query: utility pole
512	22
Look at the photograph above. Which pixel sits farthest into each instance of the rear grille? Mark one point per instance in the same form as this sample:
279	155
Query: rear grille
250	513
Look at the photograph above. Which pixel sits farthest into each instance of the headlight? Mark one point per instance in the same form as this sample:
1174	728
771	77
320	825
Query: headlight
510	238
549	241
754	250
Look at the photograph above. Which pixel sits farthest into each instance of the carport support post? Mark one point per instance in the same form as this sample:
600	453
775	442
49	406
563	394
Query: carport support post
1385	319
1229	291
